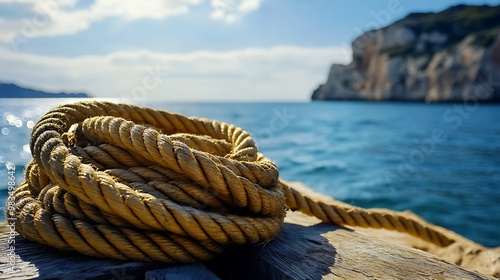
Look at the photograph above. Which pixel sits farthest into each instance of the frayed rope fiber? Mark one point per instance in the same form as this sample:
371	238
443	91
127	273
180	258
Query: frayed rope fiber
132	183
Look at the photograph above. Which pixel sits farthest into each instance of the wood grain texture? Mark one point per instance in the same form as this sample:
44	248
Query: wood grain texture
304	249
37	261
182	272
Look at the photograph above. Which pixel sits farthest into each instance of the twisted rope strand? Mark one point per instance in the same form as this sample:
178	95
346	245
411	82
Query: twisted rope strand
127	182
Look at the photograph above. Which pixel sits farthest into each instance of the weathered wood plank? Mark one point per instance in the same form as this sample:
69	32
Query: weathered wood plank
463	252
31	260
182	272
304	249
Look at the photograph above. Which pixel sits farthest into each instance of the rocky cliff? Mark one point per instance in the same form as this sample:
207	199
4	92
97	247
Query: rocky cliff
449	56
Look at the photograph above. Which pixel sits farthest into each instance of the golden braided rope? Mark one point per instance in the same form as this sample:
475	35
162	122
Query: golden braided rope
127	182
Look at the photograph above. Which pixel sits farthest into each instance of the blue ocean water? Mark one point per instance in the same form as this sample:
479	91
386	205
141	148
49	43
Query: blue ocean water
441	161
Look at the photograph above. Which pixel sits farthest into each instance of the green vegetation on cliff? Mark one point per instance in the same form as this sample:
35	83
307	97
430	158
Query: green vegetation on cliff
456	23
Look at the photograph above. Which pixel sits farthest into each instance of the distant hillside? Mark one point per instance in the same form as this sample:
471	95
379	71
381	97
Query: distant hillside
15	91
450	56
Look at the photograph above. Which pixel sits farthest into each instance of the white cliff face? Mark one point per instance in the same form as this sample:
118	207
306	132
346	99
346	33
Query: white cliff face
401	62
453	75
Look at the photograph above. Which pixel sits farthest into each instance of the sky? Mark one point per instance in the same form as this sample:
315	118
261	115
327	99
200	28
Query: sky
188	50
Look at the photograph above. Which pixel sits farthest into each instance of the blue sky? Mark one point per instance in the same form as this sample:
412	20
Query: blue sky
188	50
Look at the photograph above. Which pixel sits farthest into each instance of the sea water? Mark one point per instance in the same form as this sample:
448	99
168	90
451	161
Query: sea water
441	161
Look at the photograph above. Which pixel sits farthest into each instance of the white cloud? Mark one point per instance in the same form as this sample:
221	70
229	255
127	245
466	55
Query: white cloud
5	26
231	10
277	73
134	9
61	2
60	17
249	5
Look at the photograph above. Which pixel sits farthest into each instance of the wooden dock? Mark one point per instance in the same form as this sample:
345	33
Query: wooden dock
304	249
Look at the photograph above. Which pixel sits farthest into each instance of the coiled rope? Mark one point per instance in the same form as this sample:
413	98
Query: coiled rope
133	183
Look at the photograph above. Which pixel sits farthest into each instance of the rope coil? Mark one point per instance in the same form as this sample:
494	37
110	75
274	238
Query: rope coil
133	183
